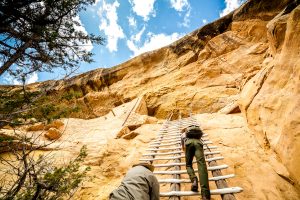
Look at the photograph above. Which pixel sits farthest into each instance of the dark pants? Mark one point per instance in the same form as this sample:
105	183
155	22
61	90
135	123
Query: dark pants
195	148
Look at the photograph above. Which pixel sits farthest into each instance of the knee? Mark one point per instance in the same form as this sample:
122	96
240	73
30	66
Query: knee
189	165
201	160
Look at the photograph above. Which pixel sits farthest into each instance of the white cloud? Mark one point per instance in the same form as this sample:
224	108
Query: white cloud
109	24
204	21
186	19
11	80
137	37
179	5
230	6
86	46
182	6
143	8
152	42
32	78
132	22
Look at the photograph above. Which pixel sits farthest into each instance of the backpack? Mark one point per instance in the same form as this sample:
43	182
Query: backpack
194	132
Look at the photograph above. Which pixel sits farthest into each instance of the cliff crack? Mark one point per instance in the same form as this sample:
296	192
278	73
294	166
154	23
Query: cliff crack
261	83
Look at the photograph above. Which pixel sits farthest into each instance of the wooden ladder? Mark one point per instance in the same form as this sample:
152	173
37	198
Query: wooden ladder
167	147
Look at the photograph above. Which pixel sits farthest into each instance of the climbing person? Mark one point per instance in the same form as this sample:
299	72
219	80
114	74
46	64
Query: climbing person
138	184
193	146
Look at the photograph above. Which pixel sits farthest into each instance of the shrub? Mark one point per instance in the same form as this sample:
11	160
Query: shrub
39	179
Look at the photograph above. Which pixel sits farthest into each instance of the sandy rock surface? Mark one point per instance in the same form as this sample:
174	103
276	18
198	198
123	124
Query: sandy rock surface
249	58
271	99
258	172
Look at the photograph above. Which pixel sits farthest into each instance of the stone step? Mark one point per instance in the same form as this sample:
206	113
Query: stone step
229	190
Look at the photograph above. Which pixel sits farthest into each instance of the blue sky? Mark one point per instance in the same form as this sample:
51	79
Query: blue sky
132	27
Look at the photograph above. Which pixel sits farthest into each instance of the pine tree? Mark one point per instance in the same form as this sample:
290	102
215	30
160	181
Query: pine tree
41	35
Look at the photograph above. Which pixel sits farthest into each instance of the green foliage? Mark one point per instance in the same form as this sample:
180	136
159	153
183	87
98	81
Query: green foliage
71	94
76	109
5	139
48	182
40	35
64	179
10	102
40	107
47	109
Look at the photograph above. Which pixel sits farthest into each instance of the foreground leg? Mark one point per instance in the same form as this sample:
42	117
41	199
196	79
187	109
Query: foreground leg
202	170
189	155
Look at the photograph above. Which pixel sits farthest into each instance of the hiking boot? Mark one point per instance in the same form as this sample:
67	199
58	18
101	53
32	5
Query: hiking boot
194	187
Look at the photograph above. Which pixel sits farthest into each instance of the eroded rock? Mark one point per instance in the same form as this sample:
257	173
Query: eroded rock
53	134
36	127
124	130
54	124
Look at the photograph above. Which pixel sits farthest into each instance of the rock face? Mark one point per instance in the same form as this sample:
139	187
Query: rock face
250	55
203	71
247	61
271	99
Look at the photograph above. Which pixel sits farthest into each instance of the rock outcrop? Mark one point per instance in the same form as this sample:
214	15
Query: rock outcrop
247	61
53	134
271	99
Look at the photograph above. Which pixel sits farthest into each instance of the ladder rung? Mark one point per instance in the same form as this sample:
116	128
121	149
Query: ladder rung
176	143
183	125
215	178
164	149
168	138
177	157
177	134
212	192
179	152
169	134
218	167
167	153
164	136
163	145
163	142
178	140
175	148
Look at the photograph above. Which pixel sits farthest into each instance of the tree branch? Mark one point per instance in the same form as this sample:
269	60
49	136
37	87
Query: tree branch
15	57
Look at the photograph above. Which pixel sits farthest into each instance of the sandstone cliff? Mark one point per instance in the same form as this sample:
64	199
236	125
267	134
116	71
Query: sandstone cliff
247	61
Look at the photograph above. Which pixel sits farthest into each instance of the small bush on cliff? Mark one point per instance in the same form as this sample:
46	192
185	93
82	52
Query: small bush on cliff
30	179
71	94
13	106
